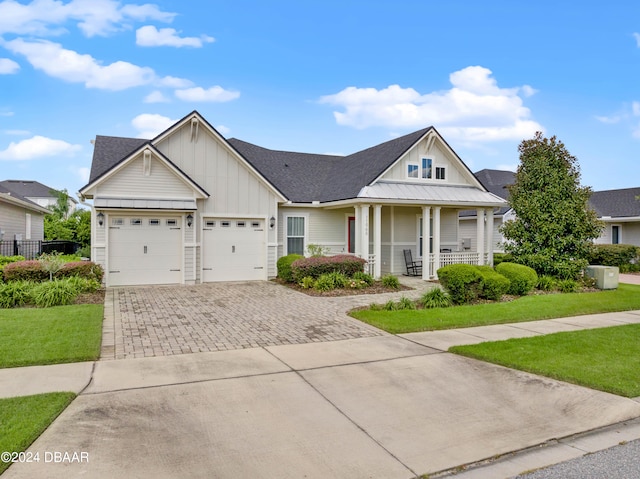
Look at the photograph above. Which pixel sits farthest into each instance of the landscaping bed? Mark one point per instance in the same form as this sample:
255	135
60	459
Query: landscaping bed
376	288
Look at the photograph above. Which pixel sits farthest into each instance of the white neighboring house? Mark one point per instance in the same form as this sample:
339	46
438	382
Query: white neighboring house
19	219
618	209
190	206
36	192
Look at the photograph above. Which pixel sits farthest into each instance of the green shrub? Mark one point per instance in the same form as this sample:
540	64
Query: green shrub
390	281
51	263
463	282
502	258
523	278
356	283
318	265
435	298
307	282
362	276
329	281
620	255
10	259
546	283
15	294
494	285
54	293
84	252
36	270
284	267
390	305
568	285
406	303
318	250
630	268
84	285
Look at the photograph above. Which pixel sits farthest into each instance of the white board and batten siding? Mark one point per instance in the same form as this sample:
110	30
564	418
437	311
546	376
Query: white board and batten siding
238	196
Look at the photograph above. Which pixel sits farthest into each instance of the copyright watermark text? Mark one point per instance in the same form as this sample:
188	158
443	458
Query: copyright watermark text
53	457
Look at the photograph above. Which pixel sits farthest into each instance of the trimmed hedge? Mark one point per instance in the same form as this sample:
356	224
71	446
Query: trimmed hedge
32	270
523	279
502	258
319	265
284	266
494	285
463	282
624	256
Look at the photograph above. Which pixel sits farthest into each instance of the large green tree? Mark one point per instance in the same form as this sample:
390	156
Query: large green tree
554	224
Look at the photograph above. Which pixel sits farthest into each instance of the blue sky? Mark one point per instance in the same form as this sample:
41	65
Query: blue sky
321	77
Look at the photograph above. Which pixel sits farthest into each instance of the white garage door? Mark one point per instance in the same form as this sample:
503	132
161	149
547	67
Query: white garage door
145	250
233	249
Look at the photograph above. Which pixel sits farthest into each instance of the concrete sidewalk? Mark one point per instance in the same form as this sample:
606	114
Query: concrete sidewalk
384	406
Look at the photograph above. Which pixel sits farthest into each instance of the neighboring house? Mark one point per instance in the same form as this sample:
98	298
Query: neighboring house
190	206
618	209
496	181
37	193
20	218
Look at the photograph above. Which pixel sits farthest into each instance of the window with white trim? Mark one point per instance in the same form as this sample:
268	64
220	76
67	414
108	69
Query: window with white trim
440	172
295	235
615	234
424	169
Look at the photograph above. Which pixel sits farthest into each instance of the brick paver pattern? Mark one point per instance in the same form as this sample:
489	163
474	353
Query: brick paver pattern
166	320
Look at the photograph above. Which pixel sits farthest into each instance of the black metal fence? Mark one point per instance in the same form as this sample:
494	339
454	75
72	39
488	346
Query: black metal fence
30	249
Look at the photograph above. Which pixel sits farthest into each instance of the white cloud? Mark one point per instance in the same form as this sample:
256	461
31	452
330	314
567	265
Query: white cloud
175	82
94	17
38	147
8	67
608	119
74	67
17	132
5	112
637	37
635	108
213	94
475	108
156	97
223	130
509	167
150	125
150	36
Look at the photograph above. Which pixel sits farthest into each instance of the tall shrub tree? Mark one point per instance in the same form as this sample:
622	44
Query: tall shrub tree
554	224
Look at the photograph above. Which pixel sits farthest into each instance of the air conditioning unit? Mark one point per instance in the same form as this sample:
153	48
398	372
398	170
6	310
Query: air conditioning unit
606	276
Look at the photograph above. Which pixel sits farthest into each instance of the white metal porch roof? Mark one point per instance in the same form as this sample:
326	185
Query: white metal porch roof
436	194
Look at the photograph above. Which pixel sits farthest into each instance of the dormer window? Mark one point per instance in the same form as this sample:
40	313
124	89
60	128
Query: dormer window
426	168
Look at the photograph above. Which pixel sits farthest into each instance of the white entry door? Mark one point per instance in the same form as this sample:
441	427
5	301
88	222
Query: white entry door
144	250
233	249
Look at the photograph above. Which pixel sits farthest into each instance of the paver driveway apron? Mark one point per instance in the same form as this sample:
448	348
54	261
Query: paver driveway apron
166	320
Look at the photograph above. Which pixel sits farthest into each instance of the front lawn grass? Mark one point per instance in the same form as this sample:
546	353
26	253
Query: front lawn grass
62	334
607	359
23	419
526	308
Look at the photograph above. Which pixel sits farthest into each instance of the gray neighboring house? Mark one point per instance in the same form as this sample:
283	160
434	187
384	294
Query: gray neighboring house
191	206
20	218
618	209
36	192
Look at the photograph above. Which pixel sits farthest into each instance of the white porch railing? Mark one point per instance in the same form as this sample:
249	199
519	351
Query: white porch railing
371	264
464	257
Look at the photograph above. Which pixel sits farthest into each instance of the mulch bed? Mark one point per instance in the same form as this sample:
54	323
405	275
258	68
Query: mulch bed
91	298
377	288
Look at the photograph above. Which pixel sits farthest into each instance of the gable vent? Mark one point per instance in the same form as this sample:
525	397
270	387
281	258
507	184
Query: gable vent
146	163
195	124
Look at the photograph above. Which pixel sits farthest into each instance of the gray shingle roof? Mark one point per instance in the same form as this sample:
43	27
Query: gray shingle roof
13	194
108	151
28	188
616	203
496	181
304	177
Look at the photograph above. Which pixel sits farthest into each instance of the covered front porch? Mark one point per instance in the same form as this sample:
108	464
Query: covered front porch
380	233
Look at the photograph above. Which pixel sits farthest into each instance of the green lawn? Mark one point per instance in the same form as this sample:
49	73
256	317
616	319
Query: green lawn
607	359
63	334
527	308
23	419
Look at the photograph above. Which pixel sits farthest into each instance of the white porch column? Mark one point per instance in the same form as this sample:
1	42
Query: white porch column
392	248
436	240
357	238
490	236
426	233
377	240
364	232
480	235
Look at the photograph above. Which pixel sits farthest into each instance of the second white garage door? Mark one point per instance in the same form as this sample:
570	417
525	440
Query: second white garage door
233	249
